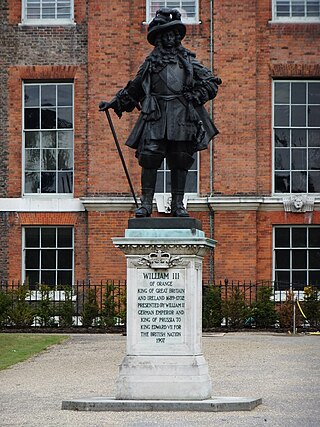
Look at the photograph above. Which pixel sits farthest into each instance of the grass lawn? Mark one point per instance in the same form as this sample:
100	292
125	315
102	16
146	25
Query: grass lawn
15	348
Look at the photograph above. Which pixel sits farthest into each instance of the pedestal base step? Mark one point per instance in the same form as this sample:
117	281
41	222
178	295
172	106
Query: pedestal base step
215	404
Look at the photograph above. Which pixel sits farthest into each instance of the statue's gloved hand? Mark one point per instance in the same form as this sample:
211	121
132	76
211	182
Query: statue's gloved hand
114	104
104	105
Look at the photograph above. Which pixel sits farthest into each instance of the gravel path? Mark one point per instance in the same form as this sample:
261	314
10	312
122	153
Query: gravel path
283	370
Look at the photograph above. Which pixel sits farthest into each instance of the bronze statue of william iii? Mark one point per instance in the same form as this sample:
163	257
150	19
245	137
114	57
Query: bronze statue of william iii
170	90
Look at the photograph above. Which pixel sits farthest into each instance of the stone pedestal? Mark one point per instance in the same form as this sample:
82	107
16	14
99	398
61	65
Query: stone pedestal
164	359
164	368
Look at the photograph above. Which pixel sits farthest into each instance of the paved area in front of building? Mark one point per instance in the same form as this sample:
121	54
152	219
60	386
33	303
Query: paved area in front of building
284	370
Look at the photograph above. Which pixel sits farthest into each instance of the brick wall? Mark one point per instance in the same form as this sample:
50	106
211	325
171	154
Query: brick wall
39	53
101	53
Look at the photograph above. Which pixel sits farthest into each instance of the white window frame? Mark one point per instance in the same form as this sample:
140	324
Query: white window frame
288	19
186	20
39	194
42	248
46	22
289	127
280	295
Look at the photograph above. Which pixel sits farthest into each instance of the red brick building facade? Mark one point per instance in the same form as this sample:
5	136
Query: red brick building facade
257	187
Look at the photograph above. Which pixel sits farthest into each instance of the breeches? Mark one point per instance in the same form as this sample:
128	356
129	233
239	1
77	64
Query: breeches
179	154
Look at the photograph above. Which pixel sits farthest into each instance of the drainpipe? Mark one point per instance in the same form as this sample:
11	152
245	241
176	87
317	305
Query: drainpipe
211	212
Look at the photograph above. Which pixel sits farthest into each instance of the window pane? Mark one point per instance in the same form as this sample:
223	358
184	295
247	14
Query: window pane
282	137
314	137
48	258
282	279
65	118
299	279
48	278
65	258
299	182
65	237
65	139
314	182
314	278
32	139
65	160
49	160
298	8
65	95
313	8
314	93
314	116
32	237
299	138
298	93
48	118
299	159
32	182
65	278
48	95
281	115
48	182
48	237
49	139
299	258
282	159
32	118
282	237
65	182
32	258
32	160
283	8
298	115
299	237
314	258
31	96
282	182
282	259
191	183
314	237
282	91
314	158
32	278
48	11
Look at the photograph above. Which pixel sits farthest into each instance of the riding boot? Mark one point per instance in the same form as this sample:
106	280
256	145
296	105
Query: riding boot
178	182
148	183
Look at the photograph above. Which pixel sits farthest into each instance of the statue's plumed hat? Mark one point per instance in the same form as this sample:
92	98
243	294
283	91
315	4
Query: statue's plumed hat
165	19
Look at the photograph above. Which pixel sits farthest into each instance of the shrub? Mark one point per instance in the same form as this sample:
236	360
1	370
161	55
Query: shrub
90	309
66	309
286	312
311	306
263	310
235	309
45	310
211	307
21	313
123	306
108	312
5	304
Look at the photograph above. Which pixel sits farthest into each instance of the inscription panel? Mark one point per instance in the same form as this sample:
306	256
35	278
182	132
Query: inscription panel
161	306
